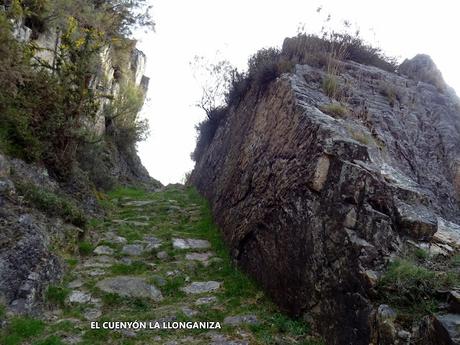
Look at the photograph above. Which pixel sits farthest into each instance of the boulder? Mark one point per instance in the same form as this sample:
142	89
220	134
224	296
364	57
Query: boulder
103	250
190	243
133	249
201	287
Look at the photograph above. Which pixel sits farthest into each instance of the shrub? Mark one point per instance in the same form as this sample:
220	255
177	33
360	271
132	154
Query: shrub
122	123
267	65
263	67
239	85
207	130
334	109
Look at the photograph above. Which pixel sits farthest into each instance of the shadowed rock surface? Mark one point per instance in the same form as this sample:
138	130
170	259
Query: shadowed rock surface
313	206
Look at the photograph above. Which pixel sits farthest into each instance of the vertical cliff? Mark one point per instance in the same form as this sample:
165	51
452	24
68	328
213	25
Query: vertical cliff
323	184
70	96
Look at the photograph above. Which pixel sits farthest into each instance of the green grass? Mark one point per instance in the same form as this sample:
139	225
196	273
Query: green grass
172	287
421	254
455	260
85	248
238	295
51	340
57	295
124	192
130	233
137	267
72	262
20	329
112	299
330	86
62	326
413	289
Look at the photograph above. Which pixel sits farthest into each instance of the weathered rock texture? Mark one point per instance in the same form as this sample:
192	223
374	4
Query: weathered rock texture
122	165
313	206
30	240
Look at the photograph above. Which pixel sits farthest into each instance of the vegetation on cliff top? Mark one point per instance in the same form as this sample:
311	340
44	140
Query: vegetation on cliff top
226	86
45	107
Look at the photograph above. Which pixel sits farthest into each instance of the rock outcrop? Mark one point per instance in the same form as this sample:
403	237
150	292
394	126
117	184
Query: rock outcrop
30	241
33	232
313	205
123	165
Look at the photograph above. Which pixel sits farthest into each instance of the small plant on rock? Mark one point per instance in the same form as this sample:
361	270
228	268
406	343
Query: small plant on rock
335	110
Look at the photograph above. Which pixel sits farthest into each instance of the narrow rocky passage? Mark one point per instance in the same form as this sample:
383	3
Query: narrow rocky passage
159	258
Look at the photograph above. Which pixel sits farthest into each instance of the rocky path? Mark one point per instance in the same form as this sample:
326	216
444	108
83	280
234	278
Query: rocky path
159	259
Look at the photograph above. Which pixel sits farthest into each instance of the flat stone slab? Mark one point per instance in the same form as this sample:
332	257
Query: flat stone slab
130	287
199	256
94	264
189	312
160	281
95	273
241	319
190	243
136	223
114	238
162	255
105	259
133	249
152	242
79	297
201	287
92	314
103	250
220	339
206	300
138	203
75	284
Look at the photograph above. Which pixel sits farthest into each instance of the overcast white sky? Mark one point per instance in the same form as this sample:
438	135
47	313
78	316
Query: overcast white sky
238	28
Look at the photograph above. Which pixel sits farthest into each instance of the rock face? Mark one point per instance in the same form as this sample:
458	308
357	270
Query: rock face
27	262
312	205
123	164
30	240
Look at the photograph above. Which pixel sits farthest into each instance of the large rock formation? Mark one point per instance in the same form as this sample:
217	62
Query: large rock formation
313	205
33	237
122	165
